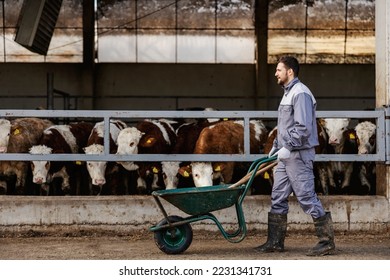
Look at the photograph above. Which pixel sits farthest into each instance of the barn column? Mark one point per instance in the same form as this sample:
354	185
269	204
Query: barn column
88	69
382	83
261	22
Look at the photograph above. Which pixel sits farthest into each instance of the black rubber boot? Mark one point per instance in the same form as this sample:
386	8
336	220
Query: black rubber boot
324	231
277	227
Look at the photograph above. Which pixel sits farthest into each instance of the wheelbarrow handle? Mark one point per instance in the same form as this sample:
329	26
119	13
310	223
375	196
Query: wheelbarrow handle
258	172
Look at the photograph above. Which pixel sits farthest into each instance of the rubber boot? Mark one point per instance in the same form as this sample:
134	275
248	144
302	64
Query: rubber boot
277	227
324	231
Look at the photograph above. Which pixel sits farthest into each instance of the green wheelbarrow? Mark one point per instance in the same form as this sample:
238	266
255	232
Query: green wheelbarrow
173	234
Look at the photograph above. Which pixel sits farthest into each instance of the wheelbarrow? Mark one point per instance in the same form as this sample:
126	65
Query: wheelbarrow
173	234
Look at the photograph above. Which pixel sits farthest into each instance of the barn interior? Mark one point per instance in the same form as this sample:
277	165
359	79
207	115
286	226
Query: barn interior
174	54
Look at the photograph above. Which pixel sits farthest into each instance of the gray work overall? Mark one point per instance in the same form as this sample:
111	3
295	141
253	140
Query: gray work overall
297	131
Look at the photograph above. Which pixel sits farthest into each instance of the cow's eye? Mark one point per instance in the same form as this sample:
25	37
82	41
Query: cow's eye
131	144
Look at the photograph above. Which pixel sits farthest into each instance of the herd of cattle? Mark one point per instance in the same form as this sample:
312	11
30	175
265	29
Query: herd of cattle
161	136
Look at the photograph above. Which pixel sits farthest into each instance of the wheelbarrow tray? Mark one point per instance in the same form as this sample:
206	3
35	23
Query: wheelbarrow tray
201	200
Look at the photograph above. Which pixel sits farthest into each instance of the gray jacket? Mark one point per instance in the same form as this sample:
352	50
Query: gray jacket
297	127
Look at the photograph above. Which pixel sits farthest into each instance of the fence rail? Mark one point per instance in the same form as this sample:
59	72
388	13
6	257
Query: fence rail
381	155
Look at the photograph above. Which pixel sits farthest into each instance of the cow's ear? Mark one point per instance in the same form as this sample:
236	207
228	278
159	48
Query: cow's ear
155	169
16	130
218	167
185	171
148	142
321	121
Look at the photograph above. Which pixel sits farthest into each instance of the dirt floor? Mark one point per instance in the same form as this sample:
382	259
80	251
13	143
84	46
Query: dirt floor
205	245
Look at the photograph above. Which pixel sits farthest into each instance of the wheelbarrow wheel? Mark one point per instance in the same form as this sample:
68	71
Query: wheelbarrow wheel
174	240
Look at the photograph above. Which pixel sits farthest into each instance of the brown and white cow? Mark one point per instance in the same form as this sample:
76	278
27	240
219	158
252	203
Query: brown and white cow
187	135
99	170
224	138
366	140
147	137
59	139
341	141
17	136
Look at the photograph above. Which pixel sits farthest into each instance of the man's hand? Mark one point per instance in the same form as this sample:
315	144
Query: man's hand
283	153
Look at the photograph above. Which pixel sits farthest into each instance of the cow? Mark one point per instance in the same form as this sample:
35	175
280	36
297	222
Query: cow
17	136
366	141
147	137
60	139
341	141
225	137
100	171
187	135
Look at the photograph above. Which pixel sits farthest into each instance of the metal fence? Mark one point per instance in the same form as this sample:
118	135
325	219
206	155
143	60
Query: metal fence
381	155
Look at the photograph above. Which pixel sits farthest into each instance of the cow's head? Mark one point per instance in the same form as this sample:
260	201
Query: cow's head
335	128
5	131
202	173
366	137
40	169
170	172
128	140
96	169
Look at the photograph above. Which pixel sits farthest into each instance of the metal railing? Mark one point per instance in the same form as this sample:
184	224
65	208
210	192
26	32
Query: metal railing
381	155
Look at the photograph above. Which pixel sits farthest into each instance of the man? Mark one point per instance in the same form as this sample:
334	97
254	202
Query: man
295	144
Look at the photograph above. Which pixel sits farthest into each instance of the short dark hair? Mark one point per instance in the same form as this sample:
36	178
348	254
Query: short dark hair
291	63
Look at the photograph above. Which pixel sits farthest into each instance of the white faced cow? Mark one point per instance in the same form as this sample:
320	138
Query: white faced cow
187	135
59	139
366	140
340	143
225	137
98	170
17	136
148	137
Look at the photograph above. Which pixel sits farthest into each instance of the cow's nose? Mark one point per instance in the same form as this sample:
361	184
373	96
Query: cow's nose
38	180
99	182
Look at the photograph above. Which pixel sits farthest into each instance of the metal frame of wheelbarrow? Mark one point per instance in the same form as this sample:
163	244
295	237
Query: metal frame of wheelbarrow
196	202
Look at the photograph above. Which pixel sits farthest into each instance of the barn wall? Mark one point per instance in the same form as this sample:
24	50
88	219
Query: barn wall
172	86
126	213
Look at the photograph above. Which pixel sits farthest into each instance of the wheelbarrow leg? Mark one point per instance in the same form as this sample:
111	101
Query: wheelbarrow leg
159	204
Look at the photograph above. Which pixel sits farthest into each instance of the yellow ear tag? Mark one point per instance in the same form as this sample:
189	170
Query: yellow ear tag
218	168
186	174
155	170
225	119
78	162
149	141
16	131
351	136
266	175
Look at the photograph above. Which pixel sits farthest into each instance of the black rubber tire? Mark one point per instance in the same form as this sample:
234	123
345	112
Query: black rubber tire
173	240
